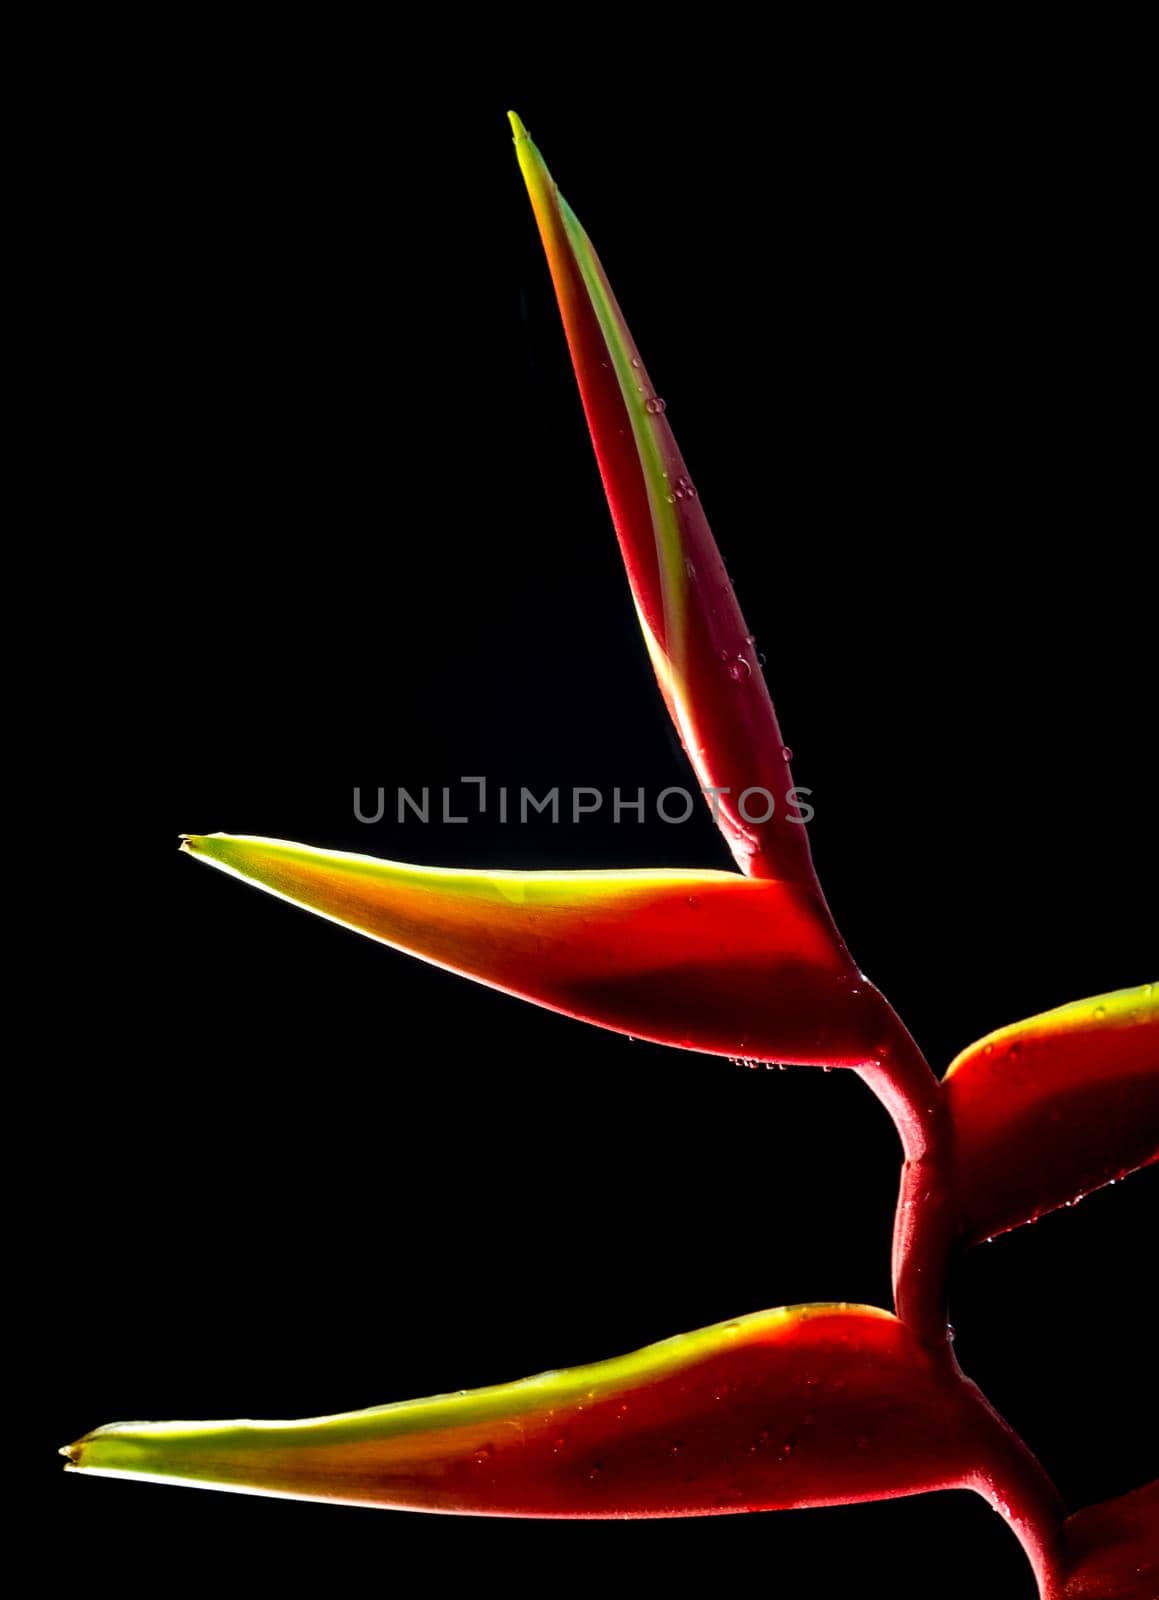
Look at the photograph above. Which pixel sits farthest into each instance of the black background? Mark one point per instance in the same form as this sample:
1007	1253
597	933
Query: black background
356	536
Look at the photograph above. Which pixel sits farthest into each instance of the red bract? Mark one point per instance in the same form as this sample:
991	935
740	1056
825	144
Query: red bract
807	1405
1077	1087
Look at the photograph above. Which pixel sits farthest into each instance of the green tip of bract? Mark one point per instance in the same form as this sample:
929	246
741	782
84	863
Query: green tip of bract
517	128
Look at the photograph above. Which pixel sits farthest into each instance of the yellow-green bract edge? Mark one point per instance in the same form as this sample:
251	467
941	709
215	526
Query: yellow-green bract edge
1120	1008
126	1448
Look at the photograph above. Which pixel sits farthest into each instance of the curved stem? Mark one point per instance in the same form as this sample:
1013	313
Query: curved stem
1014	1481
923	1234
923	1239
1009	1475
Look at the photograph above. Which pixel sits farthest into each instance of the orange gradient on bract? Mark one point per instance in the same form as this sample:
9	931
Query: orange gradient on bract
808	1405
706	960
1047	1109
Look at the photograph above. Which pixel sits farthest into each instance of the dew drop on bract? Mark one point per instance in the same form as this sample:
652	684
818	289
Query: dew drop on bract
655	405
739	669
786	753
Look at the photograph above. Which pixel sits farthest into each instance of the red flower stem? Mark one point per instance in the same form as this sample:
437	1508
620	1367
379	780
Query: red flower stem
924	1230
1011	1477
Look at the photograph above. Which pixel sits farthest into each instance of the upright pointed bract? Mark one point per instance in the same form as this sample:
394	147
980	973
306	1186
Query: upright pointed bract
1045	1110
702	650
705	960
808	1405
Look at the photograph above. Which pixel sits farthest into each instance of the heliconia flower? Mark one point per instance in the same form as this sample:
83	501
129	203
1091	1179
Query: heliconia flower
706	960
701	649
1046	1110
803	1406
808	1405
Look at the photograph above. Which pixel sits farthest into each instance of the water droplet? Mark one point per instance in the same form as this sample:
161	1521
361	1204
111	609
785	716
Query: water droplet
597	1468
693	901
1100	1013
786	753
951	1333
635	361
481	1457
558	1445
690	570
684	489
739	669
762	657
655	405
677	1446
